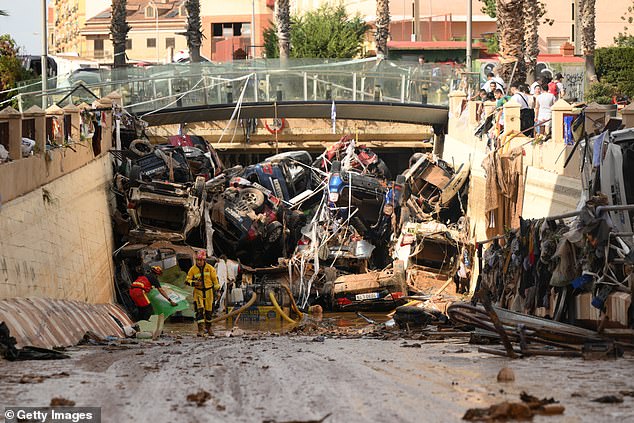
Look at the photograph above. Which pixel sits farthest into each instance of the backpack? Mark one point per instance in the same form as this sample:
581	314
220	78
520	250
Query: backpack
552	88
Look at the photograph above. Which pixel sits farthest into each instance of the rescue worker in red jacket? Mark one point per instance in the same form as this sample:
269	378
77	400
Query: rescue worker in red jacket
141	286
202	276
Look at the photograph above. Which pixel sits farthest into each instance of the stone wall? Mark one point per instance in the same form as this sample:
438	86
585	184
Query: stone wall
56	241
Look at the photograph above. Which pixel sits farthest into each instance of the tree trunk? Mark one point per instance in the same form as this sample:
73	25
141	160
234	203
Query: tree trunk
531	38
382	27
587	12
119	31
511	33
283	17
194	34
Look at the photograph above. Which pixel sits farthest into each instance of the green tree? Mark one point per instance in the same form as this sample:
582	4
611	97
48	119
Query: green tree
119	31
327	32
11	70
194	34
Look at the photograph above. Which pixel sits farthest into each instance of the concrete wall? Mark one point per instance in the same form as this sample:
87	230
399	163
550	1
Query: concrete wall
302	134
549	188
56	241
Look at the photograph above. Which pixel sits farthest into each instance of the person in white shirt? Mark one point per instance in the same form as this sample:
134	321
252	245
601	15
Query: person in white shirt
492	83
544	102
527	114
537	84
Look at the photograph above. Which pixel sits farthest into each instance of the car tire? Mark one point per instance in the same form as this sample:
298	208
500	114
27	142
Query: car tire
274	232
199	188
141	147
253	197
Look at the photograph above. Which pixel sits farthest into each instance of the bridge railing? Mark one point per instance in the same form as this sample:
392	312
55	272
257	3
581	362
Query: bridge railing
144	90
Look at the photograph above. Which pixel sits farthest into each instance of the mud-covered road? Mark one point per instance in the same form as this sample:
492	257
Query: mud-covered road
257	378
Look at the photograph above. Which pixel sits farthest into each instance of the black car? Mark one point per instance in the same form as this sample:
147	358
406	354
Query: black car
287	175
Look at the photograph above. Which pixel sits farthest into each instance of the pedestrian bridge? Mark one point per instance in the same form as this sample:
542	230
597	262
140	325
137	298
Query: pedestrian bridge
183	93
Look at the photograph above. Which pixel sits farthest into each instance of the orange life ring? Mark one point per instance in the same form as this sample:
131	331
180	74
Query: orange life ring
277	126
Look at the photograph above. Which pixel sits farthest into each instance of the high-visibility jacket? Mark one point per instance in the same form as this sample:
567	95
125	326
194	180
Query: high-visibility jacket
138	291
208	276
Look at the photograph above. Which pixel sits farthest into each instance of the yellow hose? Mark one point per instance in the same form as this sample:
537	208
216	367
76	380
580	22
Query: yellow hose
293	303
279	309
238	311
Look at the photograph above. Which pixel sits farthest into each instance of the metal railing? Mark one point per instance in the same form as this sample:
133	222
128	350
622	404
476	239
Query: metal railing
147	89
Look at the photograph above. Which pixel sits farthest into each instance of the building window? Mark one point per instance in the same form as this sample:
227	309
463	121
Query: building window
149	12
170	42
554	44
128	44
151	43
98	47
231	29
217	30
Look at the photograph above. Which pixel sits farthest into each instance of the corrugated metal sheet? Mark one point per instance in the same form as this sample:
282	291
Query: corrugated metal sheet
48	323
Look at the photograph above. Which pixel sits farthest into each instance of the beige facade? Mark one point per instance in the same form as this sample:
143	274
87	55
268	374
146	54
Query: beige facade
451	16
66	21
155	26
227	28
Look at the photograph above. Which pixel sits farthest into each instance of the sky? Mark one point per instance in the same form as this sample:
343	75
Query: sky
24	24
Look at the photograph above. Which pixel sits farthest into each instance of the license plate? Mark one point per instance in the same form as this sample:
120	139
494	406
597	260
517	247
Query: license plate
368	296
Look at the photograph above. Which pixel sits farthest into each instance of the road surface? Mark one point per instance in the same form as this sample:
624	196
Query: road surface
265	377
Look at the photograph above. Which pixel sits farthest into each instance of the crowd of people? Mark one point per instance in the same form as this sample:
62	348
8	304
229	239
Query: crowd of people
535	101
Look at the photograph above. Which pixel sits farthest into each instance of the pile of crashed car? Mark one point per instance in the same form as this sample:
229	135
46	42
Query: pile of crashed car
336	228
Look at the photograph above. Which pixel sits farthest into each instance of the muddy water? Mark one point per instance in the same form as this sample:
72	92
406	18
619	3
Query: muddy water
343	320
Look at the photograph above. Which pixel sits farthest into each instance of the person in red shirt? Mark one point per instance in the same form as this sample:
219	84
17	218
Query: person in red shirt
141	286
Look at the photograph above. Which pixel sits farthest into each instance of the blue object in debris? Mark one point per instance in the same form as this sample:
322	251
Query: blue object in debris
580	281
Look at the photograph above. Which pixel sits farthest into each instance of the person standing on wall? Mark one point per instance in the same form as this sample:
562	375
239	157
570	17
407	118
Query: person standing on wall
202	276
544	102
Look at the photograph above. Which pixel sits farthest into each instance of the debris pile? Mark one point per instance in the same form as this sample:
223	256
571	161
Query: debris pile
335	229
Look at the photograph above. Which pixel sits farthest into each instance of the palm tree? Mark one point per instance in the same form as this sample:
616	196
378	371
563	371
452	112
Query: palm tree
587	12
119	31
532	14
509	14
382	27
283	18
194	34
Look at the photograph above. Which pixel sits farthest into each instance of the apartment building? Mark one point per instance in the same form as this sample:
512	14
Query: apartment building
155	34
229	26
66	18
442	20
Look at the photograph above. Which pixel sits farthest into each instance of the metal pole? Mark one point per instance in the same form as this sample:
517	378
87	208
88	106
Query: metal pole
44	57
157	38
252	29
354	86
469	35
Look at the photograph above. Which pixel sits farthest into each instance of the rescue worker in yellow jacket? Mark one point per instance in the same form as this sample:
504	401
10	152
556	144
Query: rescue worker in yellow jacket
202	276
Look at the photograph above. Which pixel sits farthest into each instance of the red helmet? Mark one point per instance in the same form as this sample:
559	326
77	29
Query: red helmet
201	255
157	270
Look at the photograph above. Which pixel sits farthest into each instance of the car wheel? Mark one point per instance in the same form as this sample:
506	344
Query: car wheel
199	188
274	232
253	197
141	147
